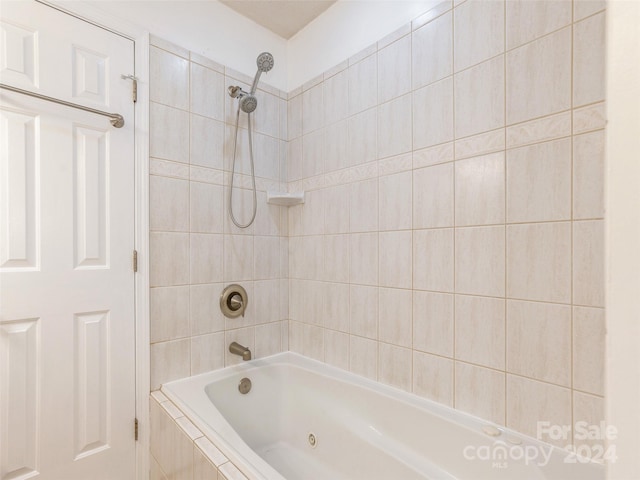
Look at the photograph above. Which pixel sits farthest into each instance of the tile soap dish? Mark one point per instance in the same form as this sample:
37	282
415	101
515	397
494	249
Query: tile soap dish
285	199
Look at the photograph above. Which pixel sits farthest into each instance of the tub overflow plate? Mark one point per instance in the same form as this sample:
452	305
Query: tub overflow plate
244	386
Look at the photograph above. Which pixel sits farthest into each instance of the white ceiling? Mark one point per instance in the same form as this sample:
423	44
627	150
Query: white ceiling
284	18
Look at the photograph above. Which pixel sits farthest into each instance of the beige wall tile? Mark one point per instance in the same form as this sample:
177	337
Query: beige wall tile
531	19
336	211
336	101
479	187
207	92
363	203
480	330
337	307
395	197
433	322
206	142
588	410
312	210
530	402
539	341
169	259
539	262
266	295
539	130
294	117
589	349
588	263
588	175
363	258
364	311
169	361
589	60
394	126
433	260
168	133
591	117
363	357
394	69
433	114
266	258
238	257
433	377
168	200
169	76
206	208
483	143
312	108
395	316
433	196
169	313
584	8
394	366
336	141
363	134
268	339
206	316
478	32
539	77
336	258
363	84
312	154
432	50
479	98
395	259
266	118
480	392
479	260
155	472
336	349
539	182
206	258
207	352
203	469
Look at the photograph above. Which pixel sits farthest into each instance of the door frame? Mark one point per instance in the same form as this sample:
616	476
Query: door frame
88	12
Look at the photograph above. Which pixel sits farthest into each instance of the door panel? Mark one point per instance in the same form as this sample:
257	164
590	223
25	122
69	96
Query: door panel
67	358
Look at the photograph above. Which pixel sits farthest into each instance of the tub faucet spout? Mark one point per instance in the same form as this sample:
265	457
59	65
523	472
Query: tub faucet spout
238	349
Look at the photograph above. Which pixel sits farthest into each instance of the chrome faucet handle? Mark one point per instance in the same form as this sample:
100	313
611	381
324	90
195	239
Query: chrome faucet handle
236	303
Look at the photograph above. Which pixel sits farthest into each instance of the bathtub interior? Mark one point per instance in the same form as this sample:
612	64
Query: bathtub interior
362	429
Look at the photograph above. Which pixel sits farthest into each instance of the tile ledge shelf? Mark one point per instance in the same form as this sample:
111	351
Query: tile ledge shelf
285	199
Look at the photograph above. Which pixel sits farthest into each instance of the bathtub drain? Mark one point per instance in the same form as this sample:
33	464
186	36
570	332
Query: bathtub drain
312	440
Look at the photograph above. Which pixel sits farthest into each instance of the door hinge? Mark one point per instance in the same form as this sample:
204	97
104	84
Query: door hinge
134	86
135	261
135	429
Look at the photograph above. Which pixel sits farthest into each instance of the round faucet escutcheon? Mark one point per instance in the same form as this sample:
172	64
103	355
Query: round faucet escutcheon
233	301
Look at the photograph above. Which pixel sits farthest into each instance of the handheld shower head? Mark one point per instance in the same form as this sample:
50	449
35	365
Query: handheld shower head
265	63
248	103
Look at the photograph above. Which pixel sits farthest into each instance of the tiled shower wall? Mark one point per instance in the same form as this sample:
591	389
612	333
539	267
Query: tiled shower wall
195	249
451	243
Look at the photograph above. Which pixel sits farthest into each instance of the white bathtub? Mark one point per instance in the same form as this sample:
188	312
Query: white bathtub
363	430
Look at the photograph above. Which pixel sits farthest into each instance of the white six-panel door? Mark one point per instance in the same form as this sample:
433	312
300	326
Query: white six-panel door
67	359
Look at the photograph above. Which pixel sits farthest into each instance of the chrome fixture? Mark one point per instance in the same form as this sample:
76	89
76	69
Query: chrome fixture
238	349
233	301
247	102
244	386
